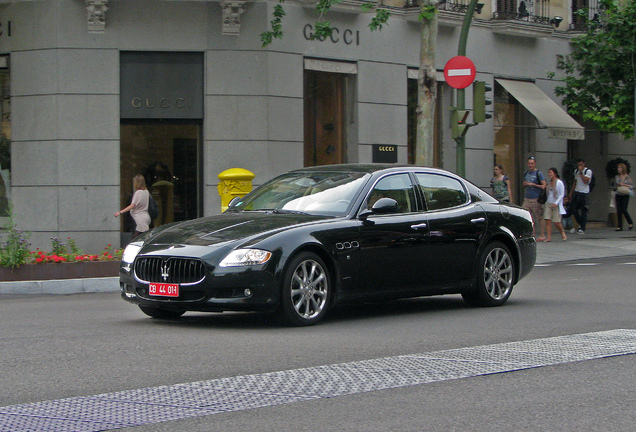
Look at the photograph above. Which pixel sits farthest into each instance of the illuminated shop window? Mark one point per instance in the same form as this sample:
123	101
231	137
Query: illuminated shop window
5	138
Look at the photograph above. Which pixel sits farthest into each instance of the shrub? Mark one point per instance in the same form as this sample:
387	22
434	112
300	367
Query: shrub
14	249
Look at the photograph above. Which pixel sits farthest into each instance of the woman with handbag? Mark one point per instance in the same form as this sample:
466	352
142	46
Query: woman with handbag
553	208
624	189
138	208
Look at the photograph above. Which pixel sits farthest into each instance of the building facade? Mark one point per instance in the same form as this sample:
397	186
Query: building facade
97	91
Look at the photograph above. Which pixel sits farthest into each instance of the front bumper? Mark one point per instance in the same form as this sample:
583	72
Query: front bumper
237	290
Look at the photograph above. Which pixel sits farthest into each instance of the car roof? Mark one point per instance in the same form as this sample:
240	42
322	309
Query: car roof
369	168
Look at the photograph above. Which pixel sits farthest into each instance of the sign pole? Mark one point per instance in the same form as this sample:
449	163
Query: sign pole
460	156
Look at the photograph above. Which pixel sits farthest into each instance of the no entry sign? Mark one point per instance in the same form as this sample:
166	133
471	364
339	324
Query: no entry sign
459	72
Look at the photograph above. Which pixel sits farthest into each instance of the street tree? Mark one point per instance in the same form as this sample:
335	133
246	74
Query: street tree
600	73
427	80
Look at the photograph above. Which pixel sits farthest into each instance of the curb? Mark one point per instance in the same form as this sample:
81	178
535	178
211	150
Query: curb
61	286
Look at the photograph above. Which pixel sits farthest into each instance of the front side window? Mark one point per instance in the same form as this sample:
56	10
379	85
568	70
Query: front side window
397	187
441	192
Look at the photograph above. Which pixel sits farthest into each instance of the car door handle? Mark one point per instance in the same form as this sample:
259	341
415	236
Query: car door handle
418	226
478	220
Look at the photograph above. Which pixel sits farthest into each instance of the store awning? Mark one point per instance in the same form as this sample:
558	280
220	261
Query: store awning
549	114
332	66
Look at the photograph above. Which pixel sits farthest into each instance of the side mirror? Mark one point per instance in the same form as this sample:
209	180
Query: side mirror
385	206
381	206
233	202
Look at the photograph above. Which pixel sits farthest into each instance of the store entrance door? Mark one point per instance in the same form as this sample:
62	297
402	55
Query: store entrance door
167	156
325	132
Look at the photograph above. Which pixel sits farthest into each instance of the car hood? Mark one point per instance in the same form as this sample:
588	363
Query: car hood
227	227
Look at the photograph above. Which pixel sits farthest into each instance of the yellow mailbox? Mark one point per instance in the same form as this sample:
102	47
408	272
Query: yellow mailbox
234	182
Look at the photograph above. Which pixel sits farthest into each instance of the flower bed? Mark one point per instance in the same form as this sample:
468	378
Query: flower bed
62	270
64	261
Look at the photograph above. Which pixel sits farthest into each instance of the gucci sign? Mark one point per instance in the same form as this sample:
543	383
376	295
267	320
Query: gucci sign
348	37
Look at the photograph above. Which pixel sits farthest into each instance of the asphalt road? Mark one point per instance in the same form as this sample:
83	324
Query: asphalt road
55	347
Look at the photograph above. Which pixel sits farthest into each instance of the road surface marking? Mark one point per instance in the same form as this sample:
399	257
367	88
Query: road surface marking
144	406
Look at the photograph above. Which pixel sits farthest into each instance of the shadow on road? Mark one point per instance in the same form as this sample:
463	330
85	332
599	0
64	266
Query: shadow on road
342	313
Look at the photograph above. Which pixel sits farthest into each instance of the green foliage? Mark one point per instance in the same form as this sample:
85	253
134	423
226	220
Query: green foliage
276	23
14	250
68	249
600	74
323	6
427	12
380	19
322	30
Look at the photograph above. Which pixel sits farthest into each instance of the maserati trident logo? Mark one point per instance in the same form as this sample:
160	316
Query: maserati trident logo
165	271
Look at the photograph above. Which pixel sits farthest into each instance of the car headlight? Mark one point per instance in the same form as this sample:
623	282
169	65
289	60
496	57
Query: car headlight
245	257
131	252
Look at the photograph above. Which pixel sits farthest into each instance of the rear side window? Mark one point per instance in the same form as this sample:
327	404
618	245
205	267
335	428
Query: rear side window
441	192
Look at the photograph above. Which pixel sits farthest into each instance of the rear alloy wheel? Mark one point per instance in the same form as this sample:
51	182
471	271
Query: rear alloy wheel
306	290
164	314
495	277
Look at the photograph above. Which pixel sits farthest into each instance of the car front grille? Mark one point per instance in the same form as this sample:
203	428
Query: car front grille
183	271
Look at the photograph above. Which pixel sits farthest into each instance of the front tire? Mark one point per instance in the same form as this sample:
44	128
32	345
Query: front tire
495	277
163	314
306	290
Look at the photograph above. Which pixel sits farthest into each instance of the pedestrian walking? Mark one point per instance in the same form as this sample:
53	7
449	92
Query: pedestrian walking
579	195
138	208
500	184
553	208
624	187
534	182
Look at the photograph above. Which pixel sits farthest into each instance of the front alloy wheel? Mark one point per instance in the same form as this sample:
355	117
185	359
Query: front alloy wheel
306	290
495	277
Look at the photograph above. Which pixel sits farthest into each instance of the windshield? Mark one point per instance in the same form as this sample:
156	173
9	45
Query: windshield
319	193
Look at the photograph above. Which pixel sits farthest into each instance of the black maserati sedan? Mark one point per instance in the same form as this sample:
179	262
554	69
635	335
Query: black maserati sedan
315	237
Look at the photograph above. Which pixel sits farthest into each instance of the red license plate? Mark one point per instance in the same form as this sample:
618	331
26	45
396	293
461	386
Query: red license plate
163	290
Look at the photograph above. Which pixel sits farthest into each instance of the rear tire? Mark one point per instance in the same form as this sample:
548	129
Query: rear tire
163	314
495	277
306	290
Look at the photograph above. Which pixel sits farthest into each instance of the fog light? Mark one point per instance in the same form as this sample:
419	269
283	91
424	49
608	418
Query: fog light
247	293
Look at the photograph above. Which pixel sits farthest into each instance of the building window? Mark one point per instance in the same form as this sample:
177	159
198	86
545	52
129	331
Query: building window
5	137
533	11
514	137
584	11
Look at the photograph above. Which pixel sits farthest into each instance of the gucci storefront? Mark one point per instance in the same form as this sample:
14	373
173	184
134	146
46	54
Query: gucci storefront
97	91
161	106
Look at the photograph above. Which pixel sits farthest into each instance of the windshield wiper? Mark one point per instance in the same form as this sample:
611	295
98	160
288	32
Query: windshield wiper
283	211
